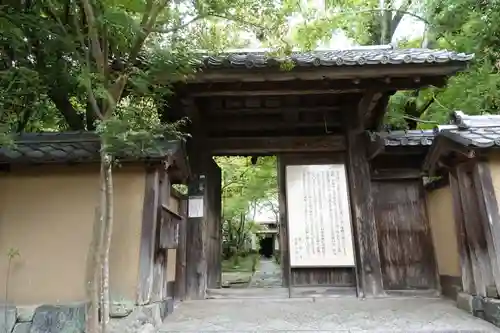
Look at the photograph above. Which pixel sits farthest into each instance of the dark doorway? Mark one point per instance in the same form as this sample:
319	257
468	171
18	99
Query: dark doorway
267	246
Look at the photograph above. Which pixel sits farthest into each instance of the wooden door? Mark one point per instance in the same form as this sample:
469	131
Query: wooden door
404	236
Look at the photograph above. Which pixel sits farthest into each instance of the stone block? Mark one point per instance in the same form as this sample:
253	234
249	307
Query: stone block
121	309
153	313
464	302
8	317
170	306
478	306
491	292
492	311
25	313
148	328
59	319
22	328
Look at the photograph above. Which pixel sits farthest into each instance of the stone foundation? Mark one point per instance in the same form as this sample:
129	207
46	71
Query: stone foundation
70	318
482	307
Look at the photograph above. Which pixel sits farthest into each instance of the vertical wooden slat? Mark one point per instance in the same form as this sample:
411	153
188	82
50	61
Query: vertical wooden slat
283	223
365	230
162	227
490	217
218	221
148	230
180	270
481	269
463	247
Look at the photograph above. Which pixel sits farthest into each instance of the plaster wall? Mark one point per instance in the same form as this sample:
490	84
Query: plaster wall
444	237
47	214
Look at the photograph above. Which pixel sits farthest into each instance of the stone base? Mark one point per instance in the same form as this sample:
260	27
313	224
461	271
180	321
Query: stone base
125	318
482	307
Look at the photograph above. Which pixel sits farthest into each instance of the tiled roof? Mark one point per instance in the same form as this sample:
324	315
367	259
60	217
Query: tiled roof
328	58
69	147
472	131
406	138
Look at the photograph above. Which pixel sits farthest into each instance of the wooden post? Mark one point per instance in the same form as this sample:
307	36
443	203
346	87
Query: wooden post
490	217
196	269
180	270
481	269
214	228
148	231
283	224
370	283
463	247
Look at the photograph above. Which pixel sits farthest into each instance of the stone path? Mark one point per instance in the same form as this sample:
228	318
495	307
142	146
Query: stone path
267	276
347	314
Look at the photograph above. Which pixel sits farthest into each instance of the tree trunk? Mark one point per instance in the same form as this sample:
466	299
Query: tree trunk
94	275
107	186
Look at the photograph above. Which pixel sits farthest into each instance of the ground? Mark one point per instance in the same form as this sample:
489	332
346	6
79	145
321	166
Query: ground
345	314
268	275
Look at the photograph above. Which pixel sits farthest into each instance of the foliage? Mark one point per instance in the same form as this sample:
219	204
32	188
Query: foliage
241	263
107	66
244	186
465	26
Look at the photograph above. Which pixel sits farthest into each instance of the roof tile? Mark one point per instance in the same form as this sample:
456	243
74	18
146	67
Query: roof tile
329	58
68	147
482	131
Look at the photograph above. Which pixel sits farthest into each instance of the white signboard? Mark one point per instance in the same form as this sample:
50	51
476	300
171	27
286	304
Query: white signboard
319	216
195	206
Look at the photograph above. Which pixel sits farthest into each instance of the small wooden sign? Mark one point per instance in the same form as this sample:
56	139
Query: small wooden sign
319	216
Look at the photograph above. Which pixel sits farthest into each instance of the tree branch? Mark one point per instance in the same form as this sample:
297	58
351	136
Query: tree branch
403	9
150	19
88	84
179	27
418	120
94	37
69	113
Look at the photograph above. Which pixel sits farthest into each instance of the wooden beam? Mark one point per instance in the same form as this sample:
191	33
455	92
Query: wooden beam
303	87
490	217
368	267
375	146
395	174
334	72
271	110
234	125
463	247
273	145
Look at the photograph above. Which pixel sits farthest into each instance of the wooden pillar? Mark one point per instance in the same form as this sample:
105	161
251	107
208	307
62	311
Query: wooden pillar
369	273
213	221
180	269
196	263
490	217
283	223
196	230
148	233
481	267
463	247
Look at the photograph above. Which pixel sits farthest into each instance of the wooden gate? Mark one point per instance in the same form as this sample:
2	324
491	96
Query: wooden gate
404	236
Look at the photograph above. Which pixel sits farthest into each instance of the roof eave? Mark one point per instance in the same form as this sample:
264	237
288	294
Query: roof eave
239	74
